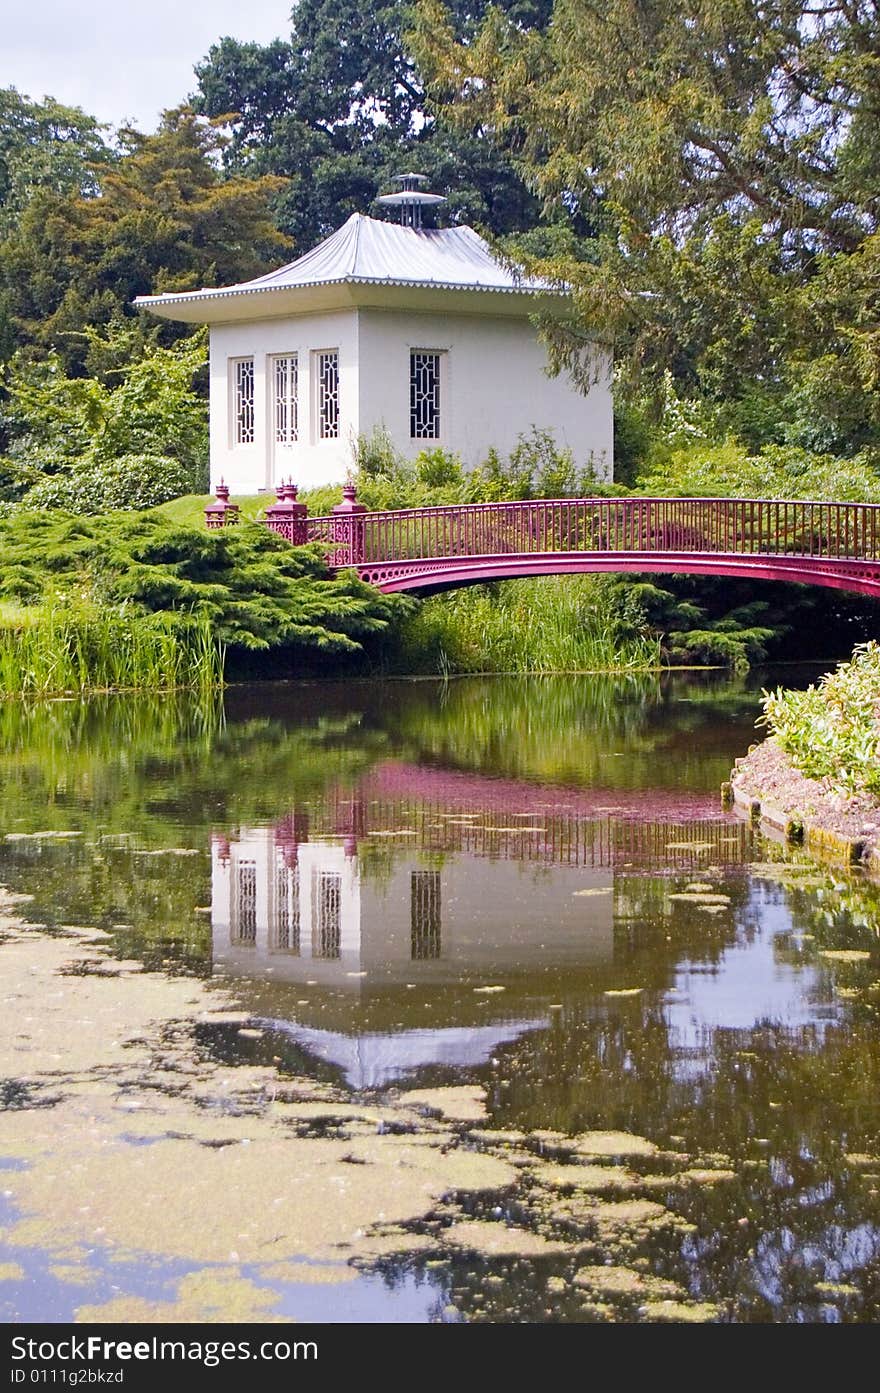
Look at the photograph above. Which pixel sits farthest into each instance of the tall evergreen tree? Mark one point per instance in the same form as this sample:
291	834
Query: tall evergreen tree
166	218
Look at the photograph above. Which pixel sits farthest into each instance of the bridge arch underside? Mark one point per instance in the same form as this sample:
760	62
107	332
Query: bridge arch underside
433	575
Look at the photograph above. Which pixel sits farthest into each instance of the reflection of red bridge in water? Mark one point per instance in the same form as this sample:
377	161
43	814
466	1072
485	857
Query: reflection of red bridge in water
829	544
439	810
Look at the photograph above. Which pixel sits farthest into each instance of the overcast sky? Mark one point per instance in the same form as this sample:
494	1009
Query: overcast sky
121	60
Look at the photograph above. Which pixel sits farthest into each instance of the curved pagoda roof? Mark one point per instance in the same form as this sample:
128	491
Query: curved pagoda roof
367	262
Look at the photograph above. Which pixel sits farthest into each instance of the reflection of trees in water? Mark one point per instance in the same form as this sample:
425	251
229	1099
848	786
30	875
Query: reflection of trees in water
785	1109
137	764
572	729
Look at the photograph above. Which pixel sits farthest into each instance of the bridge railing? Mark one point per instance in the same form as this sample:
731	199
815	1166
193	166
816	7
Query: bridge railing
741	526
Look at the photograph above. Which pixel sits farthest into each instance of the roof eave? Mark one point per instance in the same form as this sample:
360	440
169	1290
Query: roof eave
238	303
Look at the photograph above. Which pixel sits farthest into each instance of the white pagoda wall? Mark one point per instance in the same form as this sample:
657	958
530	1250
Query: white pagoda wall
250	468
496	387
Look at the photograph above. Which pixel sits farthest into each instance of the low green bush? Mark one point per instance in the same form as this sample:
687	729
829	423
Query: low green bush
729	470
832	730
252	590
130	482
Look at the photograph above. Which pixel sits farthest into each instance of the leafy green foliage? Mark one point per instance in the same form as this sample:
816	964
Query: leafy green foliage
44	145
717	169
340	109
254	589
729	470
832	730
129	482
71	434
700	625
536	468
166	219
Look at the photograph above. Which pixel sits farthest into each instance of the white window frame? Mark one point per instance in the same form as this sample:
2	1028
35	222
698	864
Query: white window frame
442	356
318	435
235	434
293	437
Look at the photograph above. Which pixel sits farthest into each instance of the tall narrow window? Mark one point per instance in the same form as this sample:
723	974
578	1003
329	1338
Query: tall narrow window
244	906
327	922
285	927
425	910
243	401
328	394
424	395
285	386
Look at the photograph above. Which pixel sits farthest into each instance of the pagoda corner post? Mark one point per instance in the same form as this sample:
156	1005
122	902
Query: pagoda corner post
348	531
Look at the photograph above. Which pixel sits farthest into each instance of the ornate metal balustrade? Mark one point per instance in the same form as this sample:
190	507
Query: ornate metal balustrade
822	543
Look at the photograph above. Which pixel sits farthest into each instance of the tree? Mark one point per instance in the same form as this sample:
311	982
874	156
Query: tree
166	219
44	145
80	427
340	109
727	157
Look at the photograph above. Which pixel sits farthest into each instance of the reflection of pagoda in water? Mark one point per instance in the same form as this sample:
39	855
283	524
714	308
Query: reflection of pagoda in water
323	909
427	878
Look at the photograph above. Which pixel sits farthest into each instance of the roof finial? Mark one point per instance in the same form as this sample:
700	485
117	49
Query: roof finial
411	199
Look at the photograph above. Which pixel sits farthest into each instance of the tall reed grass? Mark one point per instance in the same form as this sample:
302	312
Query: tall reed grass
564	624
64	650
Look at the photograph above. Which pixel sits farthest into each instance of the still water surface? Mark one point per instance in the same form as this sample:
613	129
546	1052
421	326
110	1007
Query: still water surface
413	1002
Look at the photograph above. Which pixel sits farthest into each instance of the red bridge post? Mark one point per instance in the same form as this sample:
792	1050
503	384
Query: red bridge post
221	513
348	530
287	517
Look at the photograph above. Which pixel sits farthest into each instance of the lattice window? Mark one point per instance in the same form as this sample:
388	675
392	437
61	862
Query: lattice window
425	902
243	401
327	915
285	387
244	905
424	395
328	394
286	922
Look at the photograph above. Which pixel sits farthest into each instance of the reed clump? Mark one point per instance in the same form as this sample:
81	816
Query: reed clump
51	650
568	624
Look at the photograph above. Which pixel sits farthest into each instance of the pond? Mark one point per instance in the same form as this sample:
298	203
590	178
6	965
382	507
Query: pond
413	1001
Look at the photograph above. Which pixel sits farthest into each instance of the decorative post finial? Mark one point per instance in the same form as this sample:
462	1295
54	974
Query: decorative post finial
288	517
221	513
411	199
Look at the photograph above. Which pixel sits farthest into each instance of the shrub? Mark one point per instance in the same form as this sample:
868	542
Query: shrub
148	406
728	470
832	730
127	483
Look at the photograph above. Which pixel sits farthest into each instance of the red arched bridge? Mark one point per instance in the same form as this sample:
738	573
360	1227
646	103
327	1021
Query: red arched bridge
438	548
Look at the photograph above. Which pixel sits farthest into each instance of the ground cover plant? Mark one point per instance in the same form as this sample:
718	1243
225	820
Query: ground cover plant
832	729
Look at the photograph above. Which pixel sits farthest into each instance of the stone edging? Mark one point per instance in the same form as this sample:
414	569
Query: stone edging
802	809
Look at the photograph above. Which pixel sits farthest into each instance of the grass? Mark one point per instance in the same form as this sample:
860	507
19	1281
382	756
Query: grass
54	651
568	624
189	511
